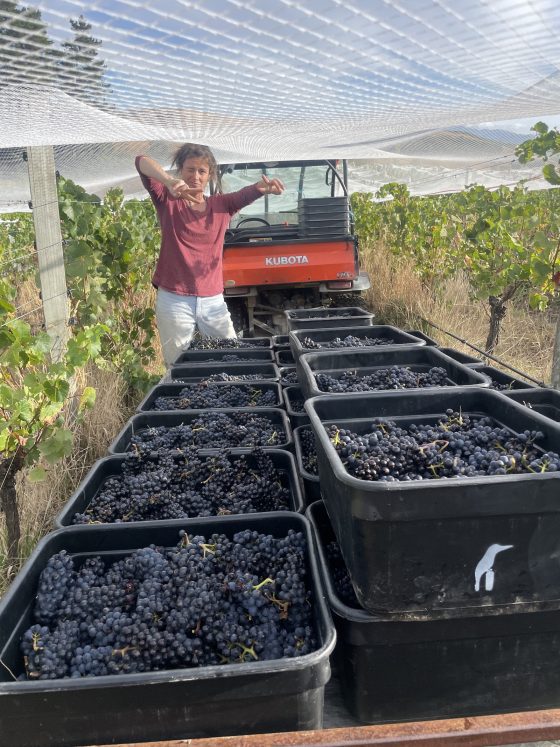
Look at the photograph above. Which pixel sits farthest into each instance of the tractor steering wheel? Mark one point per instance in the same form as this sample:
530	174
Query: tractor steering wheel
246	220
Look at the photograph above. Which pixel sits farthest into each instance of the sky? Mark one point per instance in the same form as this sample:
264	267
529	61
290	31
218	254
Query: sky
361	58
258	77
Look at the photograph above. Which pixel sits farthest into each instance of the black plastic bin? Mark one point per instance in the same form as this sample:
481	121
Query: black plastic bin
375	332
245	698
417	358
284	357
425	547
323	317
403	670
142	421
288	376
112	465
173	390
280	342
249	355
294	400
311	486
189	373
244	343
423	336
500	380
543	400
465	358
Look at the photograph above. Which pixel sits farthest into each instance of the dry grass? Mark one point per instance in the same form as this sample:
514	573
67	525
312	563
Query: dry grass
398	297
28	304
39	503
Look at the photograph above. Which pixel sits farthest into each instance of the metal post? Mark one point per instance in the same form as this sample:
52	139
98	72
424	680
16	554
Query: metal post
48	238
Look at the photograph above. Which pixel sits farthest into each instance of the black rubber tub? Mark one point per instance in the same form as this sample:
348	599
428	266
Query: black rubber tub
321	317
431	546
280	342
465	358
143	421
310	479
375	332
244	698
417	358
288	376
471	665
253	392
500	380
423	336
255	355
293	399
540	399
284	357
110	466
247	343
190	373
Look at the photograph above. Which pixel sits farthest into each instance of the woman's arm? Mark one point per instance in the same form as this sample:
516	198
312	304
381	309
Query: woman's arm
176	186
235	201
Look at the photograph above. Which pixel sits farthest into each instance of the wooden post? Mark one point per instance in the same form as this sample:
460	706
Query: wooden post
48	238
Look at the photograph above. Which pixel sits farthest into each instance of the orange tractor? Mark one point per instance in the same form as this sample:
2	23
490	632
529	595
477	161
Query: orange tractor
294	250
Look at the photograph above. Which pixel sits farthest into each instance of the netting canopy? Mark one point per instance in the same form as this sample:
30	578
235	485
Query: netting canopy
435	93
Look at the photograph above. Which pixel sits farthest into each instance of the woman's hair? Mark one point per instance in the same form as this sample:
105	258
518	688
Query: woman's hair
190	150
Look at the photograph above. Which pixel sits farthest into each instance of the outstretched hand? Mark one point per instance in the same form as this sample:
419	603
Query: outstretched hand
181	190
268	186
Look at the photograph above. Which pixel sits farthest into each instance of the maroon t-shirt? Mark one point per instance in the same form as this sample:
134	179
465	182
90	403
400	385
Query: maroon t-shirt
190	258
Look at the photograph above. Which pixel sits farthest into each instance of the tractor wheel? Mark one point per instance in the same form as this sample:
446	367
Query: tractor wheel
239	316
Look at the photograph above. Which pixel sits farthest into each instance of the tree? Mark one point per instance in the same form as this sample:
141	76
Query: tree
80	63
505	250
26	53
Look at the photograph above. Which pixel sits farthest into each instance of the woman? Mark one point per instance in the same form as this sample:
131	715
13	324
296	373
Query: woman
188	275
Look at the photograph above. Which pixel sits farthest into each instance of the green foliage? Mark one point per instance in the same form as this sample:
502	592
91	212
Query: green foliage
34	390
422	230
110	253
17	236
545	145
507	245
507	241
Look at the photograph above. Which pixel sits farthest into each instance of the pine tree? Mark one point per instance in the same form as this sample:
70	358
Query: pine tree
80	67
26	54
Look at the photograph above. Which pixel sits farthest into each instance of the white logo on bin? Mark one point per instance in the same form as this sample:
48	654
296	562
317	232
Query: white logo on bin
484	567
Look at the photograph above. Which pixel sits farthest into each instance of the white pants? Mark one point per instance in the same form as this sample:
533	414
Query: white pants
177	316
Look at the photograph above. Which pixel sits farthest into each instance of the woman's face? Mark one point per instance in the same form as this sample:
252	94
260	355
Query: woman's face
196	172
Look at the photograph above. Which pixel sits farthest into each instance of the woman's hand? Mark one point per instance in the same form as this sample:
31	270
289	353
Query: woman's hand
181	190
268	186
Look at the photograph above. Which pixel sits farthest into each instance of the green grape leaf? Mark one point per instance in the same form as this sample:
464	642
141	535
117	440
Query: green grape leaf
37	474
87	400
58	444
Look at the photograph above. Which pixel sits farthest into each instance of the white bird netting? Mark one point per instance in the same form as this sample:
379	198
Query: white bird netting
410	91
